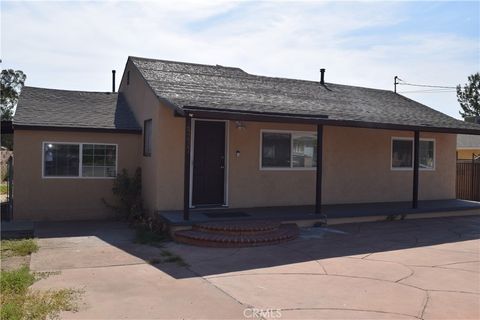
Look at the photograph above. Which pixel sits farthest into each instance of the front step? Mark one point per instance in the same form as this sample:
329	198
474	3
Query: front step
238	228
242	236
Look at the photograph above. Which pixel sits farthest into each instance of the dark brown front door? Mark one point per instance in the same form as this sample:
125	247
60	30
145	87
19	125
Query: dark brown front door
209	163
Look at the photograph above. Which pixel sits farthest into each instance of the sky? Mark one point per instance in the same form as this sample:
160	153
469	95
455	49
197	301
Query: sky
74	45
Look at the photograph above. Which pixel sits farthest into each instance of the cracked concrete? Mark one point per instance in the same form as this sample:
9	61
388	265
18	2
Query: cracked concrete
413	269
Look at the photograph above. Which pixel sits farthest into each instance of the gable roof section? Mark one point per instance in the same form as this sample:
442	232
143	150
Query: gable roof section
64	109
209	88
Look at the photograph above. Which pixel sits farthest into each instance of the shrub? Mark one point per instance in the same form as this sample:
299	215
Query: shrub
128	190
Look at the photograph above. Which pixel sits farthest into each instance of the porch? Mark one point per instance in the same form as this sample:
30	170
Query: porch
333	213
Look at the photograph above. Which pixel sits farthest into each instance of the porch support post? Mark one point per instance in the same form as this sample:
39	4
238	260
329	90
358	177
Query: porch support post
186	177
318	188
416	165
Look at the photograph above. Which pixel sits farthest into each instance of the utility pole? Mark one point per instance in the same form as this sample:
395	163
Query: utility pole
395	84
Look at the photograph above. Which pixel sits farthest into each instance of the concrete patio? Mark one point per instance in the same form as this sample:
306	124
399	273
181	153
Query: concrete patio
413	269
333	212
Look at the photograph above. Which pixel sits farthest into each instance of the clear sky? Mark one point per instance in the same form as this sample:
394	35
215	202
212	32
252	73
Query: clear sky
75	45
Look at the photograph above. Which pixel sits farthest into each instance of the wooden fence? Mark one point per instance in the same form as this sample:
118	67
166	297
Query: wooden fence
468	180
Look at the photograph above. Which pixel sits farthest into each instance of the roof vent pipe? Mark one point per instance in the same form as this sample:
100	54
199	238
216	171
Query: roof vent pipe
322	76
113	81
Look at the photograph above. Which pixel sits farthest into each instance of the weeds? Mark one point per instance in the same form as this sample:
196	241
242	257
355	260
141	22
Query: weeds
22	247
168	257
17	302
16	281
145	236
154	261
49	304
176	259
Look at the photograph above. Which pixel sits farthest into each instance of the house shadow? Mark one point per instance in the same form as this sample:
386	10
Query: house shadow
348	240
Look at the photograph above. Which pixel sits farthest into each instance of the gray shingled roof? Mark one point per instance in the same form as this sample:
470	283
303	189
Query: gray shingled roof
73	109
232	89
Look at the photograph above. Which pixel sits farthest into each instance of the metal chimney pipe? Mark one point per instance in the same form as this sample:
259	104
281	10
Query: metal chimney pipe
322	76
113	80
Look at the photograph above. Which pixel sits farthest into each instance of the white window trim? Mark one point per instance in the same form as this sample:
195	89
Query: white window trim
413	149
80	144
261	168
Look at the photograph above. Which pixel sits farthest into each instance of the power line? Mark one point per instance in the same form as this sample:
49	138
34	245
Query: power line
423	85
428	91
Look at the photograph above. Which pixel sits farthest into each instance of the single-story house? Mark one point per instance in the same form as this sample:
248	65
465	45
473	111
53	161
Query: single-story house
212	136
468	146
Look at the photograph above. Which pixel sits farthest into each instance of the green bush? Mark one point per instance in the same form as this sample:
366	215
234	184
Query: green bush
128	191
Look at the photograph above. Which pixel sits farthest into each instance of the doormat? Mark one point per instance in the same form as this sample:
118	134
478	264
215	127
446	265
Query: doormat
232	214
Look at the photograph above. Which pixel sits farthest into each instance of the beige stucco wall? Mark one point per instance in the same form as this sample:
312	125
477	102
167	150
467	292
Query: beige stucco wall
356	168
145	105
171	157
36	198
251	187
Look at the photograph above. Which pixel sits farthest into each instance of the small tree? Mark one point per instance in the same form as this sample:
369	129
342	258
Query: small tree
469	96
11	82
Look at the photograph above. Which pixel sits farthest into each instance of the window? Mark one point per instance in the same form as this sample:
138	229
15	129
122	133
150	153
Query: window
402	153
79	160
147	138
61	160
276	150
288	150
427	154
304	149
99	160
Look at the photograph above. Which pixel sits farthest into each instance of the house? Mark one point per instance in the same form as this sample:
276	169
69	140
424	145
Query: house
468	146
213	136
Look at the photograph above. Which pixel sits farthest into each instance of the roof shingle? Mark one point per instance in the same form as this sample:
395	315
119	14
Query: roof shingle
232	89
41	107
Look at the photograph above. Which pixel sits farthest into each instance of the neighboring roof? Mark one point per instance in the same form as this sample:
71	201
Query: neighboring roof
465	141
188	86
39	107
